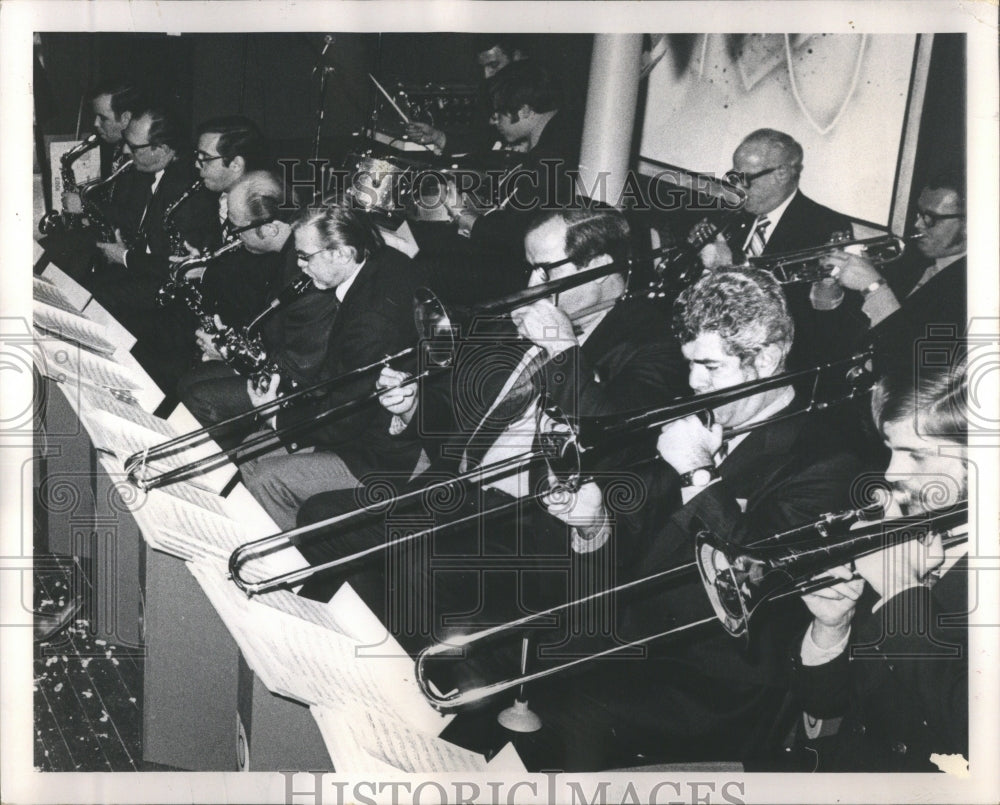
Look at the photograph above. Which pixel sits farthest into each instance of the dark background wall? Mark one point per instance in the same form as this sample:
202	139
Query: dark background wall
270	78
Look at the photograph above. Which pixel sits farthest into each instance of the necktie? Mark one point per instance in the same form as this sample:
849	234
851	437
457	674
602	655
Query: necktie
509	407
756	245
140	232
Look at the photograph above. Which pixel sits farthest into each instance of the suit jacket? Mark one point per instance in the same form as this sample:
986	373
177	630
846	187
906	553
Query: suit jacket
902	685
704	695
297	336
196	219
374	320
936	308
820	336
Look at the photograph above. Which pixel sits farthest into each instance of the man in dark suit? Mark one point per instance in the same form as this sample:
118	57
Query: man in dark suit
295	332
927	287
888	651
340	249
701	696
137	263
486	409
779	218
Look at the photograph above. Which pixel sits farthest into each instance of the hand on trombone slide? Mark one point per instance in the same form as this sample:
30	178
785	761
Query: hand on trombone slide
397	399
262	393
545	325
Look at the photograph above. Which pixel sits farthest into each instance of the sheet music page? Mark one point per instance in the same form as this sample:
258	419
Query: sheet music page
71	326
347	754
43	290
100	400
60	360
409	750
72	291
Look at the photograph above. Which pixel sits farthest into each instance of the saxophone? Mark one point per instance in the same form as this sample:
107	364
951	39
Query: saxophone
92	216
243	348
174	235
53	222
178	286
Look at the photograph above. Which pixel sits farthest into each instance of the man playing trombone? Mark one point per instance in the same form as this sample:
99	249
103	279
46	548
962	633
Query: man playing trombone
749	474
888	650
588	352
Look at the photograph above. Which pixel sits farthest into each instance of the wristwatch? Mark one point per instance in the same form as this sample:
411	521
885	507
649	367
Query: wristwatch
701	476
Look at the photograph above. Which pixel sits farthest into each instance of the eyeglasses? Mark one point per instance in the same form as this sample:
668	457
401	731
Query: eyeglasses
231	230
931	219
543	269
133	147
200	157
302	257
747	179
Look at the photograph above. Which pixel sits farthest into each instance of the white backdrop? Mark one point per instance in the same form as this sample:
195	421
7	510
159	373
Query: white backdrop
843	96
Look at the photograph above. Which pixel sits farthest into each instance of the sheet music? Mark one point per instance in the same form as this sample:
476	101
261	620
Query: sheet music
200	531
72	291
347	754
197	497
43	290
60	360
71	326
406	749
99	400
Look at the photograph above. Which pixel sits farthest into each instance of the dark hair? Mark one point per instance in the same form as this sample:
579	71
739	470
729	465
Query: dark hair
934	397
340	224
124	97
524	83
746	308
166	128
950	179
238	137
590	232
508	43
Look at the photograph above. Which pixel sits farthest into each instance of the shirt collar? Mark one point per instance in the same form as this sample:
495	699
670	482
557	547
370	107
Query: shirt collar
775	215
345	286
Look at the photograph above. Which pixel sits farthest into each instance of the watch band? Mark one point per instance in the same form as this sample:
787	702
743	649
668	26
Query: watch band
700	476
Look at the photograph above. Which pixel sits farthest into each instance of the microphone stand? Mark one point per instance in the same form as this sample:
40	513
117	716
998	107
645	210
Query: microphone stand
323	70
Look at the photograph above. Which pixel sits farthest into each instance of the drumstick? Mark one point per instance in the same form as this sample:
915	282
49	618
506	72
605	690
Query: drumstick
388	97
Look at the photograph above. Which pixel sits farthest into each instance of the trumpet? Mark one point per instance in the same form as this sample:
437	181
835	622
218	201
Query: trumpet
737	579
437	328
806	265
566	448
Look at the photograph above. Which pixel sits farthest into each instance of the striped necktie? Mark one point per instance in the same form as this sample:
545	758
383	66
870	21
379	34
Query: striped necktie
755	247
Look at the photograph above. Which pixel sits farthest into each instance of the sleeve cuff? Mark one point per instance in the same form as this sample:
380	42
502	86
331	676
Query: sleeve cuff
814	655
880	304
580	543
396	425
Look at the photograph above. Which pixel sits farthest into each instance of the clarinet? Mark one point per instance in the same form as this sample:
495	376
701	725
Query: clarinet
243	348
174	235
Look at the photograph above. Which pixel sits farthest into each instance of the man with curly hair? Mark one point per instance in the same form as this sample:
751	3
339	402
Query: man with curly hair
749	474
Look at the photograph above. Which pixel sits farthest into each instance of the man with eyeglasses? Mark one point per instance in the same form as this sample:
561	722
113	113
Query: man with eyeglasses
578	349
926	287
779	218
261	211
228	149
137	262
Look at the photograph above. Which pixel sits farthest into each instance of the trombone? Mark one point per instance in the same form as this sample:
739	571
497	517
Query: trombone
565	448
438	330
737	579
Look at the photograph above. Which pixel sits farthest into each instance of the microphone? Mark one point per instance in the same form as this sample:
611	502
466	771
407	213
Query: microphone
327	41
